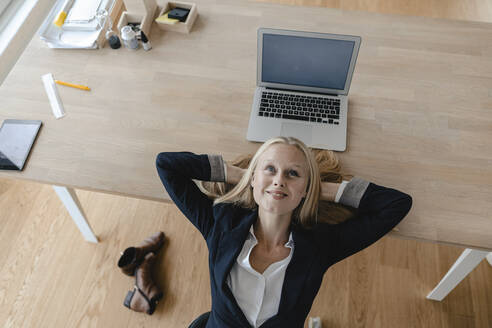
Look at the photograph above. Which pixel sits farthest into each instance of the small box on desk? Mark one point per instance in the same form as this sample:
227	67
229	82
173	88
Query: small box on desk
144	19
182	27
127	18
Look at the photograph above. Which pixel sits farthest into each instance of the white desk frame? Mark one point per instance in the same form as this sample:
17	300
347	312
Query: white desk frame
72	204
467	261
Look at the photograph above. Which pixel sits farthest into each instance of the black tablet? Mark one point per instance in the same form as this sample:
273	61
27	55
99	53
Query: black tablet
16	140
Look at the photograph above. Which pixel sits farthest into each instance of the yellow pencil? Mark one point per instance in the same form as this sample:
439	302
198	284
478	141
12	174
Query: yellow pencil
83	87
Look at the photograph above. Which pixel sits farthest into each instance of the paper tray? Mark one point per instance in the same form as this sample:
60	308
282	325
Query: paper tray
85	38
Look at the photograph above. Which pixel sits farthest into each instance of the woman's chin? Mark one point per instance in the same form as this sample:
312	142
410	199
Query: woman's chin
276	210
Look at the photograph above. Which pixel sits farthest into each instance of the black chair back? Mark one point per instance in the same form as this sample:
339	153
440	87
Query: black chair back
201	321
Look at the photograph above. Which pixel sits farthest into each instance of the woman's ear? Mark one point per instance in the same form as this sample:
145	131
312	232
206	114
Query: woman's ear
252	180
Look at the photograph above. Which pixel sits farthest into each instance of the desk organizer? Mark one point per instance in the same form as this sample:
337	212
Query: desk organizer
182	27
145	19
115	15
86	35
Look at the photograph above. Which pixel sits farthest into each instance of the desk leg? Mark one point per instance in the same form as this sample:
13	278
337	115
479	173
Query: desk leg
72	204
468	260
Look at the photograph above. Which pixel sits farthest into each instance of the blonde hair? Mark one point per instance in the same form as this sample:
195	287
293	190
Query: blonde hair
323	166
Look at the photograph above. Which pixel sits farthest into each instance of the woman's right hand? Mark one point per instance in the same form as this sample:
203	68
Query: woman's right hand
234	174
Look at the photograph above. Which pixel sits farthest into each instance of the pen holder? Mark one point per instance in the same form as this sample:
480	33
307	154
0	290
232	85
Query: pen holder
115	13
182	27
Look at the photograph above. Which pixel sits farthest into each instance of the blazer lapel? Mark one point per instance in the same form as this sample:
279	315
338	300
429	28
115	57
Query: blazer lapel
231	244
295	276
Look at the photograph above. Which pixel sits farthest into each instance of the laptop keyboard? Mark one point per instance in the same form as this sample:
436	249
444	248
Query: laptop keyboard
299	107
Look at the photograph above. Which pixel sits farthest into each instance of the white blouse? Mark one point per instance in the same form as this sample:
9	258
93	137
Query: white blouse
258	295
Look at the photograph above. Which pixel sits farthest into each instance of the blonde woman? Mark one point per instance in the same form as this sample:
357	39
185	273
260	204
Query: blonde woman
268	238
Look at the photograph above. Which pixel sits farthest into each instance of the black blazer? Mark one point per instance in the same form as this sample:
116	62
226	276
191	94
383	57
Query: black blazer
226	226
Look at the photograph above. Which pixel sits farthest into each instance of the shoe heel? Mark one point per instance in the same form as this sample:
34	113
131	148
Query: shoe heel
157	297
153	302
129	261
128	298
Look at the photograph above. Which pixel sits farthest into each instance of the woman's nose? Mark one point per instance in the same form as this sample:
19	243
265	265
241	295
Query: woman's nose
279	181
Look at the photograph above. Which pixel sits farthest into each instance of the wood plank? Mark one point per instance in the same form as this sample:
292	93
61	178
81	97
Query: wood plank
50	277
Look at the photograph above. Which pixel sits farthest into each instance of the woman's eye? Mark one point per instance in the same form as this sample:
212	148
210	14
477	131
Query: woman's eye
291	172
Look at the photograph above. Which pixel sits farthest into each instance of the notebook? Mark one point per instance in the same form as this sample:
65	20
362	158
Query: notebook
303	80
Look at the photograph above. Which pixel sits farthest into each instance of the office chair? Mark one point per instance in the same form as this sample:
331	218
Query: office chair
201	321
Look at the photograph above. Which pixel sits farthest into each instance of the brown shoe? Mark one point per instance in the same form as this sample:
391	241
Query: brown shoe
133	256
145	294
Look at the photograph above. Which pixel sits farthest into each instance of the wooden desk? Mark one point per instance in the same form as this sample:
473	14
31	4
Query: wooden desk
419	120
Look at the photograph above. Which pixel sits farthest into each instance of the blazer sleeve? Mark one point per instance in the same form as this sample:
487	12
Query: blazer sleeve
379	209
176	171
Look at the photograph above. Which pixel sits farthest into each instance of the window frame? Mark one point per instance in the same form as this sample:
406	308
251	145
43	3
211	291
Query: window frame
18	24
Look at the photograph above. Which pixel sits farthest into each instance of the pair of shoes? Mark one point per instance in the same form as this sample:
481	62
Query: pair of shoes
132	257
138	262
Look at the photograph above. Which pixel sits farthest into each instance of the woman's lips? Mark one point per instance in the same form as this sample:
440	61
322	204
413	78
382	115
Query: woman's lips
277	195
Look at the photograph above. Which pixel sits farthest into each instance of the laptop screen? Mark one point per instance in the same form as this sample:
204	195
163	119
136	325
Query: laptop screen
306	61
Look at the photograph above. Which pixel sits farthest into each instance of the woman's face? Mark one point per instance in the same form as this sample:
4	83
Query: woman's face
280	179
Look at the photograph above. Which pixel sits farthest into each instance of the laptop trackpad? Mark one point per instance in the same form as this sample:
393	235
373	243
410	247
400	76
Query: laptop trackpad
299	131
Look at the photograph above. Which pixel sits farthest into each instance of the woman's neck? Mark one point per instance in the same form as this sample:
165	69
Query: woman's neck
271	230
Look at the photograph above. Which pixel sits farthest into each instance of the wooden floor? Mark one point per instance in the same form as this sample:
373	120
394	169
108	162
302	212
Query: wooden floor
50	277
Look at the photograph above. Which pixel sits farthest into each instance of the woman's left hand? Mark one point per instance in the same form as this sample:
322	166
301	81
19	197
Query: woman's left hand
329	191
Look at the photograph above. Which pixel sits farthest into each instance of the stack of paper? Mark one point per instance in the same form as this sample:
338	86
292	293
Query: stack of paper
81	28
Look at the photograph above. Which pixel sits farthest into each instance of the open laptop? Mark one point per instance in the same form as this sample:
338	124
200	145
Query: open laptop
303	79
